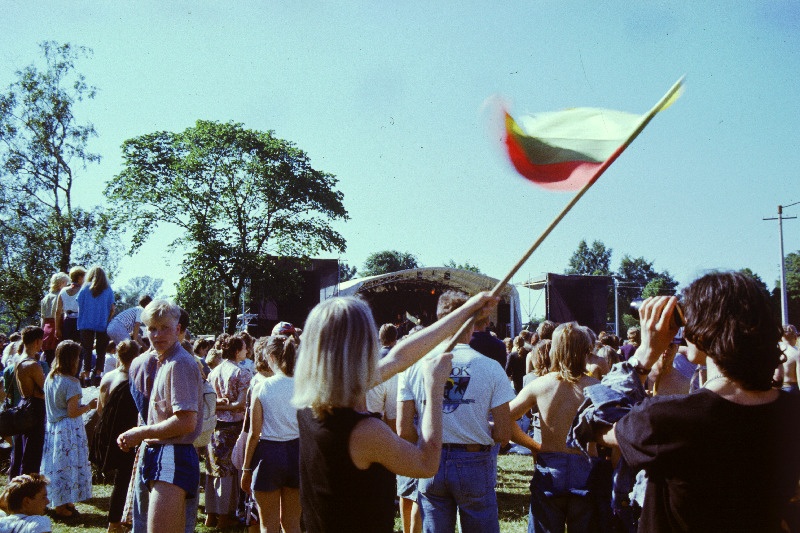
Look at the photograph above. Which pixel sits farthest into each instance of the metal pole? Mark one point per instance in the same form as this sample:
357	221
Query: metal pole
616	307
784	305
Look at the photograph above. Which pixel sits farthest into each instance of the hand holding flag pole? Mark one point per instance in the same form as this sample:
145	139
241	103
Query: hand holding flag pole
545	155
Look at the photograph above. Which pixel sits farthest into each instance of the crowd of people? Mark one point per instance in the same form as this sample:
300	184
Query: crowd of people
687	425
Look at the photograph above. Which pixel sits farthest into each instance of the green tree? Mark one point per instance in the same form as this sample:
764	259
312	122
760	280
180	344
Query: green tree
388	261
637	276
238	199
463	266
128	296
346	272
43	148
590	261
792	266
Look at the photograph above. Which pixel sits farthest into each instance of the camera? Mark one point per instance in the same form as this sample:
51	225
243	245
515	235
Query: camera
677	316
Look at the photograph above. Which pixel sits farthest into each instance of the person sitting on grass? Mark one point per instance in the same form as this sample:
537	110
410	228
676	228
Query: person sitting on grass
24	501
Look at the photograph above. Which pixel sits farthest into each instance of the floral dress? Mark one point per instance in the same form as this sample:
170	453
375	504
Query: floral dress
228	380
66	452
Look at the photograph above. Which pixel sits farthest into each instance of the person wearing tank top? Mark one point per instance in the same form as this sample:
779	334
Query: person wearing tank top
347	456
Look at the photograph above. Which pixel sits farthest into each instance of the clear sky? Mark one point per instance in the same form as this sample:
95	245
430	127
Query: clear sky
388	97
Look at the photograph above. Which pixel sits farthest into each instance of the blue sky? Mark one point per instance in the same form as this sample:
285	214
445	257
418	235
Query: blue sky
389	98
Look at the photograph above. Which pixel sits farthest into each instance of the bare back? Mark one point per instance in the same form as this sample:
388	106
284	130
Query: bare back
558	402
790	365
30	378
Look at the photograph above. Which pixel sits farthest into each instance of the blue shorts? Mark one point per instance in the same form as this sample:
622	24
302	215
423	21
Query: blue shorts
177	464
276	465
407	487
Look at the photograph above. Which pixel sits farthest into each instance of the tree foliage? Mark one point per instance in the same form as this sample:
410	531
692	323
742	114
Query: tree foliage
128	296
590	261
466	265
238	199
638	278
388	261
346	272
43	149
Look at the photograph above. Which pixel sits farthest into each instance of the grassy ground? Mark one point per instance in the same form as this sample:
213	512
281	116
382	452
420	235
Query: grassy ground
513	497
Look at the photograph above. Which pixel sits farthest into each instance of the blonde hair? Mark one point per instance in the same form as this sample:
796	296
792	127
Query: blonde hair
159	310
58	281
568	352
338	358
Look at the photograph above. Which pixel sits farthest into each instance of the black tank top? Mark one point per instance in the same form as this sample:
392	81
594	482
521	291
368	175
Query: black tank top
336	496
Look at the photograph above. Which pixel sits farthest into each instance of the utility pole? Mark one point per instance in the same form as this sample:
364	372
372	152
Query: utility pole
784	303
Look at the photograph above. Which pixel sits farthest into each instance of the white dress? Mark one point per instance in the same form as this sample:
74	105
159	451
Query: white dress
66	453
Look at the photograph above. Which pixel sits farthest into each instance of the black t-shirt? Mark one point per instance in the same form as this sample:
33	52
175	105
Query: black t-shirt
713	465
335	495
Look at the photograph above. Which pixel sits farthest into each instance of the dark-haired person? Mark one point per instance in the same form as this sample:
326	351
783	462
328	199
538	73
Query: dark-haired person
272	461
118	413
230	382
65	460
24	500
27	453
723	458
96	303
128	324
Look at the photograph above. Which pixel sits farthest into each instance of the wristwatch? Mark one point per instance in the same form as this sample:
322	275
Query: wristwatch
640	369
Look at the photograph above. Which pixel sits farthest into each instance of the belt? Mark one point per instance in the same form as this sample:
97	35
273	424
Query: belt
467	447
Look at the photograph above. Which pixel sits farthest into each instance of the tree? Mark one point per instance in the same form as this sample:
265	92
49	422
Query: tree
346	272
594	261
128	296
792	266
388	261
240	200
637	277
43	147
465	266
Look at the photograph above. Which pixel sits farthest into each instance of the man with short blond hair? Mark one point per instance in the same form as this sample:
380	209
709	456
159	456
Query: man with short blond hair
170	466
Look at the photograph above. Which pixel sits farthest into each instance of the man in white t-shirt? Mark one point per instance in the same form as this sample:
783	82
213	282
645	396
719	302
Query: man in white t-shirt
478	390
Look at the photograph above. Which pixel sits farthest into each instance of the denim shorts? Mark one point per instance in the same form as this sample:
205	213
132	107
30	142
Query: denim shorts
407	487
177	464
276	465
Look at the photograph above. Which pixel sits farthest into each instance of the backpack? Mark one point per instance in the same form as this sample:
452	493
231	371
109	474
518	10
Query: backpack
209	416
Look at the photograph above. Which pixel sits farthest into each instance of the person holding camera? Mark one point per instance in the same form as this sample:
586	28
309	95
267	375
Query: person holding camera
724	457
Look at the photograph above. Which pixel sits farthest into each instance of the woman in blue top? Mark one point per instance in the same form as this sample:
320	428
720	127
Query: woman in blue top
96	303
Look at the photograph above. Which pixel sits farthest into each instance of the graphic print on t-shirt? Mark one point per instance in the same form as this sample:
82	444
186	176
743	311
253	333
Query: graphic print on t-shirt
455	388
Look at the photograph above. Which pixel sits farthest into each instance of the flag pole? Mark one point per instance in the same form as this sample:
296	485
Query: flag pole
665	101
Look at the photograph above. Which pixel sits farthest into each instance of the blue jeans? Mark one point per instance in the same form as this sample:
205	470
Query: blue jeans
561	494
465	483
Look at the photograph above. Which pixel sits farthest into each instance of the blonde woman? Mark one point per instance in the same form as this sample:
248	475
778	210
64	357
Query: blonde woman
348	457
48	315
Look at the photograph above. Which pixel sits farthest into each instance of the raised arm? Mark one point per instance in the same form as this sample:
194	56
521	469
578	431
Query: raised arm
373	442
658	330
411	349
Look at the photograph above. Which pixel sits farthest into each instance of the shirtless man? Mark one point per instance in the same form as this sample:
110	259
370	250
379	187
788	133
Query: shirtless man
28	447
664	379
560	473
792	354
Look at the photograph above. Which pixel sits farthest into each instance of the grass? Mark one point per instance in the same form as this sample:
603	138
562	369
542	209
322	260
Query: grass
513	498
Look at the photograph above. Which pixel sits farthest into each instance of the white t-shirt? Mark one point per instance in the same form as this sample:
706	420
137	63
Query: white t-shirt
477	384
382	398
68	303
21	523
279	415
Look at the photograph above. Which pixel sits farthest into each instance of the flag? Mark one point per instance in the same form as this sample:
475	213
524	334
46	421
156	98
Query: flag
565	150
